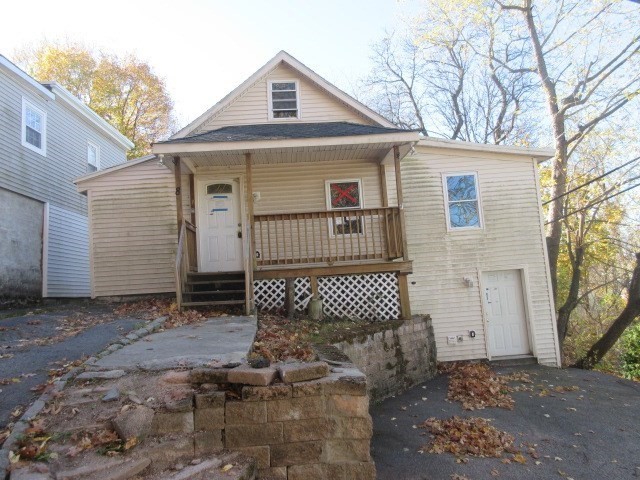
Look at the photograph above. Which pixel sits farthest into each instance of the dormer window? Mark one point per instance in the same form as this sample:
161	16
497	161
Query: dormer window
283	99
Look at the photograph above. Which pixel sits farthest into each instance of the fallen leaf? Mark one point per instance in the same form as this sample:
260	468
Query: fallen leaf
227	467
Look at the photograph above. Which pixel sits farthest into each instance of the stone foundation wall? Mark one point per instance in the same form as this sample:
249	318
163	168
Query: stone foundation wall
394	360
318	429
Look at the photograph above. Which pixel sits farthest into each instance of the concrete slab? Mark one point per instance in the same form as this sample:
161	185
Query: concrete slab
218	340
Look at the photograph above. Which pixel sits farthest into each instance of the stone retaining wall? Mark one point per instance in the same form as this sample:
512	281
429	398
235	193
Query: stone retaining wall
394	360
318	429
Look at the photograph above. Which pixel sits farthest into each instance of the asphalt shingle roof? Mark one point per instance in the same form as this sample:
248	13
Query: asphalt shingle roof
284	131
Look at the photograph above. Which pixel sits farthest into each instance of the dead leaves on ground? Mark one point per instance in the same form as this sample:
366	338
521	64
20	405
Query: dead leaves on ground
467	436
476	386
280	339
105	442
32	445
152	308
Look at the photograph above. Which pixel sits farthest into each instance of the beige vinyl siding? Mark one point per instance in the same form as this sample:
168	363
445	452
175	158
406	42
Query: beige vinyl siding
300	187
50	178
133	231
251	107
511	238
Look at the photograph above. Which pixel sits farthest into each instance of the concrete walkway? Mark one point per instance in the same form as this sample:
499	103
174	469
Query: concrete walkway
219	340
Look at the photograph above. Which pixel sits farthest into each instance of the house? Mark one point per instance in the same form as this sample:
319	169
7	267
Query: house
289	186
47	139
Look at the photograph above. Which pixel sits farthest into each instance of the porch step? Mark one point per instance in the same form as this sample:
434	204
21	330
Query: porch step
212	303
213	289
209	282
514	361
213	292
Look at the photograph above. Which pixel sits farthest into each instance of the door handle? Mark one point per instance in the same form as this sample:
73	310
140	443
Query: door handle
486	293
240	234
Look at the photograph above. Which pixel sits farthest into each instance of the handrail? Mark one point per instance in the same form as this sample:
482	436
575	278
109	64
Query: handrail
328	236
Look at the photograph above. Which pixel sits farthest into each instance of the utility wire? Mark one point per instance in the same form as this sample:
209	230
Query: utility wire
593	204
592	180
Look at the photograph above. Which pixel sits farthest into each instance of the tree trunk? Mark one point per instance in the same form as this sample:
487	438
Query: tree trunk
564	313
554	233
629	314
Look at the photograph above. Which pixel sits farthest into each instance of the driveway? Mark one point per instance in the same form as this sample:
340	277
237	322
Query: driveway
590	433
34	342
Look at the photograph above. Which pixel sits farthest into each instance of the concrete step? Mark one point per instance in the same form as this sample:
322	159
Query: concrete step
513	361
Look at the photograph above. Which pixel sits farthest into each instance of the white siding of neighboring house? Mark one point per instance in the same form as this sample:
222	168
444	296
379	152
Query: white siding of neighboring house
49	178
512	238
251	107
133	230
67	254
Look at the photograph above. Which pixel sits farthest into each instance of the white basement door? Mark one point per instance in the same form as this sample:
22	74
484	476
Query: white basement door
506	319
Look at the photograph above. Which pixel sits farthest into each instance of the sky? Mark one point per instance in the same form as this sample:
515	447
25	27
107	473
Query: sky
204	49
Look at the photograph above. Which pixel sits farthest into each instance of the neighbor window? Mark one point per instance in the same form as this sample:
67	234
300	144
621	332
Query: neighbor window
345	195
462	201
93	157
284	99
34	128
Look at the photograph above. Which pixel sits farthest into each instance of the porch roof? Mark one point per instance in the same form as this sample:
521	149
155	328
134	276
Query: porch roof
283	131
288	143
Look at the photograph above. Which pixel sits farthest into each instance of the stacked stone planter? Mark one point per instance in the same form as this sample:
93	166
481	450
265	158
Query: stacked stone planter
308	423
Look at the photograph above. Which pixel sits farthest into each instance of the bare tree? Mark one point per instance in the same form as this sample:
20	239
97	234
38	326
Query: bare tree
431	79
586	59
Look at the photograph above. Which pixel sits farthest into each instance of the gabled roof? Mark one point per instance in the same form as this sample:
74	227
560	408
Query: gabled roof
284	57
107	171
85	112
285	131
55	91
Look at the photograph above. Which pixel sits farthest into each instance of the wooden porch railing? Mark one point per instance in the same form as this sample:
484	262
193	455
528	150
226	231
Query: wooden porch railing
186	258
328	236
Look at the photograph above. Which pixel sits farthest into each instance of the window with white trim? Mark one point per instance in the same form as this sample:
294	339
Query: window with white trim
462	201
34	128
345	195
284	100
93	157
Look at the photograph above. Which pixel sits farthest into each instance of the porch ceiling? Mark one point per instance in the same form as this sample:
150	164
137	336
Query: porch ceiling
373	152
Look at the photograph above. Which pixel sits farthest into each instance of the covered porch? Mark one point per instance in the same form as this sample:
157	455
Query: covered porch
311	202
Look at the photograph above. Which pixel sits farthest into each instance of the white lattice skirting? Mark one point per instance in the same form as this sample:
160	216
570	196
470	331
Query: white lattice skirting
365	297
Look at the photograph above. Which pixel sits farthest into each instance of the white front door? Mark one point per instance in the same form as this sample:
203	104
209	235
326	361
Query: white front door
506	319
219	226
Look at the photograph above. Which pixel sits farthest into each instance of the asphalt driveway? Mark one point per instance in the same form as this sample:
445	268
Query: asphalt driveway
34	342
592	433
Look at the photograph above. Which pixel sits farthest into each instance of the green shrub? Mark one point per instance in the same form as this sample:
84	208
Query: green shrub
631	352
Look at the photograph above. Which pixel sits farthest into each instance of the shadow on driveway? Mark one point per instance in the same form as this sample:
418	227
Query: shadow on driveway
592	433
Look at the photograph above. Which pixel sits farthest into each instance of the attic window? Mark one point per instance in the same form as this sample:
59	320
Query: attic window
283	99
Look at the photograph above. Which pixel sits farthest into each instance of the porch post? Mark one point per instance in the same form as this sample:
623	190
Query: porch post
192	198
403	284
177	176
383	186
252	234
396	161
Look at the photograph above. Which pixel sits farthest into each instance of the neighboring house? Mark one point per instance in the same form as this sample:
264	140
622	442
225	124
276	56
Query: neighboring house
47	139
288	180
